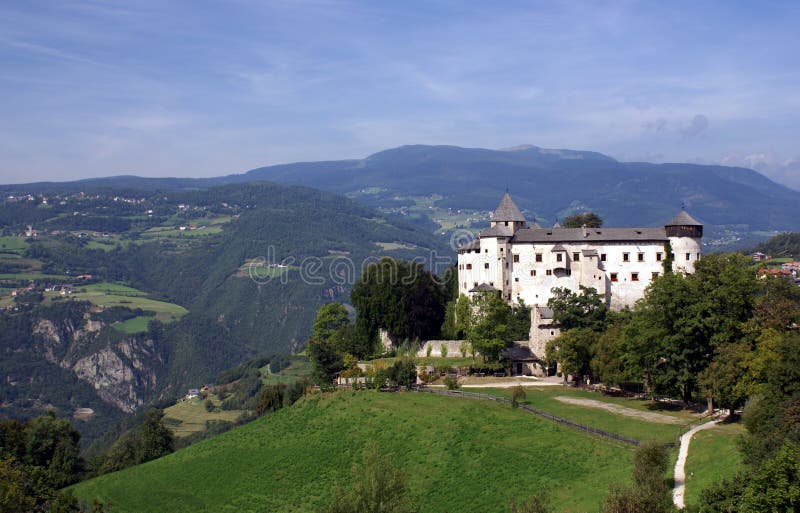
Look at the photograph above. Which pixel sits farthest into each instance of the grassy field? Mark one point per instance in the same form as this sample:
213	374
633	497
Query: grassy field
713	456
112	294
135	325
12	244
458	454
113	288
190	415
33	276
298	369
544	398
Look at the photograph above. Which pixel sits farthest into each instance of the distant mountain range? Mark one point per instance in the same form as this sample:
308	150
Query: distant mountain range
547	184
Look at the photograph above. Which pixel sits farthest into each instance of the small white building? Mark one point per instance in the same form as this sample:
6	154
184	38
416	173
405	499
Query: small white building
525	262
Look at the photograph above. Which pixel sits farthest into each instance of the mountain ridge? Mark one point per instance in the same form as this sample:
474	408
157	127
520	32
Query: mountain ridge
548	184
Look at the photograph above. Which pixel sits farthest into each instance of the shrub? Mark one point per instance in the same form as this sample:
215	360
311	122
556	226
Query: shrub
450	383
209	405
517	395
428	350
443	350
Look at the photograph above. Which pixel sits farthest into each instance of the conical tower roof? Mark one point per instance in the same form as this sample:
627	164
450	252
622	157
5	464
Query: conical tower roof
684	219
507	210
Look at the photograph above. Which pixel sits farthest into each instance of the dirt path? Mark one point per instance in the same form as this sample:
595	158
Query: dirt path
622	410
680	466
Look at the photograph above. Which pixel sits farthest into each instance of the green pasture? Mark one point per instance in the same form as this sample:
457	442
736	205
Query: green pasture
458	454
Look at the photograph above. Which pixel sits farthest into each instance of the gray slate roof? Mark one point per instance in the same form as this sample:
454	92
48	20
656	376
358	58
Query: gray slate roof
519	353
555	235
483	287
498	230
507	210
545	312
684	219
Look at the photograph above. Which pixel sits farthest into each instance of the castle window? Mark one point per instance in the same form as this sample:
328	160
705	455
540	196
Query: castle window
502	250
506	265
602	257
626	257
688	256
549	272
486	265
465	285
485	250
469	266
614	277
576	257
533	273
516	258
538	257
558	257
474	283
641	257
552	332
634	276
491	284
516	279
659	255
655	275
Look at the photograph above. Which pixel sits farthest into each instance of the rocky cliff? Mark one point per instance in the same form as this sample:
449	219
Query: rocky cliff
70	357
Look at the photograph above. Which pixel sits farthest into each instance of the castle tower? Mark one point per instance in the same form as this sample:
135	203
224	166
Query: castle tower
508	214
684	233
488	261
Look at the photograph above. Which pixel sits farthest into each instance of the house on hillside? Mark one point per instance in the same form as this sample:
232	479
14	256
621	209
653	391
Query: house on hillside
192	393
760	257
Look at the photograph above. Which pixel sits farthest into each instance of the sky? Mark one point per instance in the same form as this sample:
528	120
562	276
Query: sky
202	88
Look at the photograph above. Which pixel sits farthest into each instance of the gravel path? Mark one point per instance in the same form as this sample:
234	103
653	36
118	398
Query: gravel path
680	470
622	410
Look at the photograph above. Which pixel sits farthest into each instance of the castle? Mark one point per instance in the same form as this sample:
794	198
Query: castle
524	262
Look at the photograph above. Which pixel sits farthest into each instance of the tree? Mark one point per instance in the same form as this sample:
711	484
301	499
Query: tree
271	398
518	394
150	440
401	297
588	219
649	491
330	318
586	309
53	444
488	328
573	351
155	439
402	373
376	486
607	364
326	362
519	324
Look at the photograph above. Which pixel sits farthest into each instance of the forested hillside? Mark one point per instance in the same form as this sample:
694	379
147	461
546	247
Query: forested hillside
200	279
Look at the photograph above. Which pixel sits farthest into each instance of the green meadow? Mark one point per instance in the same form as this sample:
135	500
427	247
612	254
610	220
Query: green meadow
458	454
713	456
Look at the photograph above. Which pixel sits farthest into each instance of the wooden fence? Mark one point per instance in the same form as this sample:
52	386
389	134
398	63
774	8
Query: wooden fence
530	409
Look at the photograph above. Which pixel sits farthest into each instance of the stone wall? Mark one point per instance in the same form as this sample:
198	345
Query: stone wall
453	348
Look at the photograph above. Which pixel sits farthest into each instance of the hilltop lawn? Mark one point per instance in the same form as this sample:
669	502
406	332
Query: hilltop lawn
459	455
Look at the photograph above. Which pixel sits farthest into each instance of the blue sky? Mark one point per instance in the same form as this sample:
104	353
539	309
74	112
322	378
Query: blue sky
201	88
